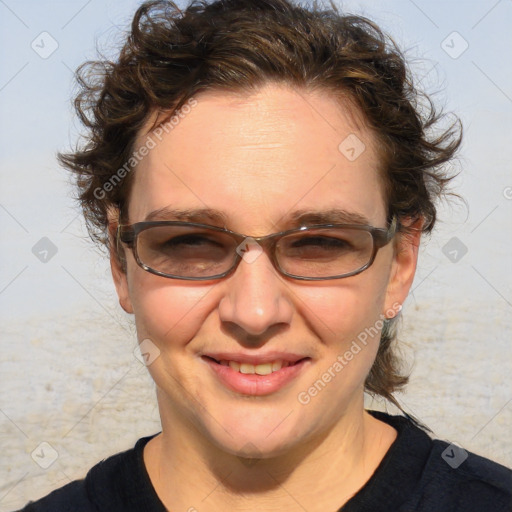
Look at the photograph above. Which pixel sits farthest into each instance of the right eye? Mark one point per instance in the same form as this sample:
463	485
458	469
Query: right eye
190	240
202	246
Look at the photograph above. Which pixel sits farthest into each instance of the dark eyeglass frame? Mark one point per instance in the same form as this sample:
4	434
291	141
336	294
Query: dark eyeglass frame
128	233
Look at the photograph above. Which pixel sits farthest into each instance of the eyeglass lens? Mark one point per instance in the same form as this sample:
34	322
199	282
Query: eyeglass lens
188	251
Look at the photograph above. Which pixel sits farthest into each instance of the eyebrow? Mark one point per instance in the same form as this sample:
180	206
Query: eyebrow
296	218
200	215
329	216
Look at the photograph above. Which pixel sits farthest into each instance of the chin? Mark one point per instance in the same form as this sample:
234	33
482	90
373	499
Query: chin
261	433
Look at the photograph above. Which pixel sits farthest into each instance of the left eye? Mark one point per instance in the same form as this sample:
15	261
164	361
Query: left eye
189	240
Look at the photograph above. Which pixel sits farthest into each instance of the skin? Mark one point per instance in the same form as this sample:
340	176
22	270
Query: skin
256	158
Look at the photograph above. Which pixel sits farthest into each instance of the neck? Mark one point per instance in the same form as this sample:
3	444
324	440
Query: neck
188	471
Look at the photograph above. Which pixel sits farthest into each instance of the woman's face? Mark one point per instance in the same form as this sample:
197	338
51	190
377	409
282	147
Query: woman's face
257	160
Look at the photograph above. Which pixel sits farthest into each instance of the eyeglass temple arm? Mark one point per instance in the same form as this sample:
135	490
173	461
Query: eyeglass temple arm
384	236
125	234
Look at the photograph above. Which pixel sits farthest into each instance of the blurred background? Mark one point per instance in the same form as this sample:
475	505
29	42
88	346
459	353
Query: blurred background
72	389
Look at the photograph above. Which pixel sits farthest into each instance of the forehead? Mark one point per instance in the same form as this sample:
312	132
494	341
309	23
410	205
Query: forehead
256	158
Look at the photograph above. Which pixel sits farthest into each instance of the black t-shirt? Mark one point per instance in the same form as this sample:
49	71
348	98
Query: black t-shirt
417	474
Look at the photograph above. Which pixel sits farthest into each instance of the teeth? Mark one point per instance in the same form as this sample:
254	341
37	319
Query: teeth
263	369
247	368
234	366
277	365
259	369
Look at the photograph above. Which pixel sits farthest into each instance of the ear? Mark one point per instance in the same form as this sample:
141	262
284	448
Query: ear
118	263
403	268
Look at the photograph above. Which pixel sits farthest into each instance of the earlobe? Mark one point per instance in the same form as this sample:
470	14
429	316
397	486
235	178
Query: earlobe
121	283
403	268
119	274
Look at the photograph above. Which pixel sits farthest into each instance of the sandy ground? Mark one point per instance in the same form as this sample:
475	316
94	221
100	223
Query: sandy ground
74	383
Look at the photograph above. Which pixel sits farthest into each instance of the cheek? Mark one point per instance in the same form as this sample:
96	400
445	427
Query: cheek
349	331
339	312
167	310
346	319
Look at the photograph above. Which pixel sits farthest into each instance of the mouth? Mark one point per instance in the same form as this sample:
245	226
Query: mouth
256	369
253	377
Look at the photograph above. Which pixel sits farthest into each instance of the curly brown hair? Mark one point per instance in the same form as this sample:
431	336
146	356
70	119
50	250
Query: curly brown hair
171	56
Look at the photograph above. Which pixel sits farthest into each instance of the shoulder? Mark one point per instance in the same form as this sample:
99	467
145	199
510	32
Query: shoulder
70	498
423	474
471	481
109	485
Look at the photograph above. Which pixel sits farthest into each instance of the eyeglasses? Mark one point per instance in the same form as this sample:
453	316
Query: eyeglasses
187	250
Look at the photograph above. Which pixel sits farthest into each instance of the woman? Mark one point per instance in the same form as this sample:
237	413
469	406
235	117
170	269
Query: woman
262	179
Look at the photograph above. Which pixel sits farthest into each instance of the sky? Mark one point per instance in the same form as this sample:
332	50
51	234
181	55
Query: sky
460	50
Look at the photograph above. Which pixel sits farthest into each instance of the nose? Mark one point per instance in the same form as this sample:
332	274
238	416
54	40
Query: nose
255	298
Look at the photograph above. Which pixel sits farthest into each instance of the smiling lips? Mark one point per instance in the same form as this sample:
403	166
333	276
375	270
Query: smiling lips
253	375
258	369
